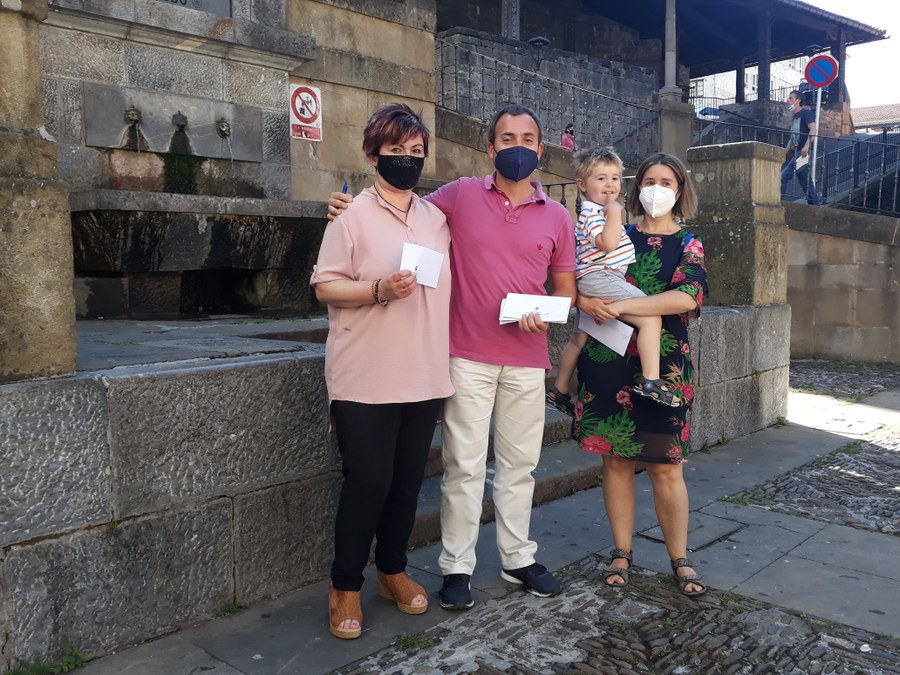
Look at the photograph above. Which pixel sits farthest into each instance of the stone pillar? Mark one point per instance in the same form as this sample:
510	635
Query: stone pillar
741	222
671	49
676	126
676	117
37	308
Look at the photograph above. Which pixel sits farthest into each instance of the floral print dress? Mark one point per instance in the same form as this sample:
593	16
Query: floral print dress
609	416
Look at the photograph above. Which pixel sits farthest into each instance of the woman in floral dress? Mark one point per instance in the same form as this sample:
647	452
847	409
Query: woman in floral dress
630	430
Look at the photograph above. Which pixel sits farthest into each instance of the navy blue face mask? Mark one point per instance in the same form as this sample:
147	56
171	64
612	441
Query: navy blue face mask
401	171
516	163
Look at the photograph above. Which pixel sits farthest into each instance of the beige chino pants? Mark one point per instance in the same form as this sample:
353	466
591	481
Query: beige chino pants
515	395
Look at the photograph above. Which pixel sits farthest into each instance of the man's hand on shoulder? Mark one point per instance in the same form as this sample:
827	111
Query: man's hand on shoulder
337	202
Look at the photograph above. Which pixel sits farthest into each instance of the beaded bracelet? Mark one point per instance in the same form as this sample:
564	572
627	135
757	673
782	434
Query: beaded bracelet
381	301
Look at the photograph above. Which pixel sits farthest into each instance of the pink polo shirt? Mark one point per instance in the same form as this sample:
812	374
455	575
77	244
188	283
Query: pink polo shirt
393	354
499	249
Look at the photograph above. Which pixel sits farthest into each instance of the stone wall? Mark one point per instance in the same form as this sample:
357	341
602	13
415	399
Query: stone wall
101	58
843	284
369	54
139	499
611	103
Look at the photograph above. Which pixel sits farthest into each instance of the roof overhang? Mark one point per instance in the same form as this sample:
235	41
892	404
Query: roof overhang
715	35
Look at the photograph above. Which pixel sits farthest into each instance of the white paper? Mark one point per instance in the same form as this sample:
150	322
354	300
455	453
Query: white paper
612	332
801	162
425	263
551	308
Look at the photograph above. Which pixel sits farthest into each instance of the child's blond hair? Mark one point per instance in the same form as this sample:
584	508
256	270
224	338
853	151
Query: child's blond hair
583	161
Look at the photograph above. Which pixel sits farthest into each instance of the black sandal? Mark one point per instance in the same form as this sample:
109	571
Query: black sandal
686	579
657	391
607	571
560	401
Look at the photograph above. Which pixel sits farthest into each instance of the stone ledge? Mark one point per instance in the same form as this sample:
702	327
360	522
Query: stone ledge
204	33
842	223
130	200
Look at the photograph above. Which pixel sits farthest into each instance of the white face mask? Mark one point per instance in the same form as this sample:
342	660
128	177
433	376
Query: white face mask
657	200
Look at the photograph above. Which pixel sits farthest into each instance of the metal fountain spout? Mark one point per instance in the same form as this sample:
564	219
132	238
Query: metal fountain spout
223	128
132	116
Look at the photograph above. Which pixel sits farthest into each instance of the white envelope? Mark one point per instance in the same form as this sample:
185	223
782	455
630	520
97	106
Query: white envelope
552	308
425	263
612	332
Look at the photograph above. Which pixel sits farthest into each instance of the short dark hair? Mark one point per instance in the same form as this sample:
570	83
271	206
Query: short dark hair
685	206
513	109
393	123
796	93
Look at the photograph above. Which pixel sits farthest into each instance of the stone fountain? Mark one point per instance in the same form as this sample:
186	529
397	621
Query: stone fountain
184	221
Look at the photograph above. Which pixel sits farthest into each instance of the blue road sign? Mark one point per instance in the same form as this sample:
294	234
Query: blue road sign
821	70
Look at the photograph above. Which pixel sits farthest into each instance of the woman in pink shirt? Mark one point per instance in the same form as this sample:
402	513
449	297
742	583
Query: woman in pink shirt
386	362
568	138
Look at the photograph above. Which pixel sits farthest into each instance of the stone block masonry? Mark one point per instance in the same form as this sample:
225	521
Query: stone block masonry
139	499
611	103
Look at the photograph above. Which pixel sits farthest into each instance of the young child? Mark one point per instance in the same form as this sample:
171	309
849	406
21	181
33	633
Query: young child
604	252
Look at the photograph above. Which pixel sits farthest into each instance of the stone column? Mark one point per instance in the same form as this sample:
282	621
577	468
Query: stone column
37	309
741	222
675	116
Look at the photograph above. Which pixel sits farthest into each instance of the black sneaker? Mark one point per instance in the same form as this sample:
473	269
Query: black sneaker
456	593
535	579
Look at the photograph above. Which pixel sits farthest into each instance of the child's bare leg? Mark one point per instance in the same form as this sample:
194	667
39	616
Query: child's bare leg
568	360
649	335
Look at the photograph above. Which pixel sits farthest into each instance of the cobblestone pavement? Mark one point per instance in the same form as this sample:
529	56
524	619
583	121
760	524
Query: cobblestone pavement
848	380
855	485
647	627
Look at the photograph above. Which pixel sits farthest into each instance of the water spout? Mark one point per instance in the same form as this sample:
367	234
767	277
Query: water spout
133	139
223	128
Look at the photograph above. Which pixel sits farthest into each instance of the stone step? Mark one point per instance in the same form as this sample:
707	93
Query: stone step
564	468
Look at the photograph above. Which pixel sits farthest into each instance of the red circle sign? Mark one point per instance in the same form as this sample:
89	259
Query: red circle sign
305	104
821	70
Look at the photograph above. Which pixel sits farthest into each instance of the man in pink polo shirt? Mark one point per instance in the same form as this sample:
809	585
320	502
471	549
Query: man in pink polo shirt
506	236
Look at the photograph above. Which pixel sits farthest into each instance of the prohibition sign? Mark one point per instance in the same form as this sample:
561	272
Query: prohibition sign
821	70
305	104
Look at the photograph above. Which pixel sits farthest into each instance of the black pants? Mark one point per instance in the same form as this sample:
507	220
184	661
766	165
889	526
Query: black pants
384	449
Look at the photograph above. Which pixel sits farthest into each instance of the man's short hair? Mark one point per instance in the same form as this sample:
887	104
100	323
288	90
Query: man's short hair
583	160
796	93
513	109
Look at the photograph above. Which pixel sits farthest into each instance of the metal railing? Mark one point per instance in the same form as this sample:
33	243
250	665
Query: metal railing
711	104
859	172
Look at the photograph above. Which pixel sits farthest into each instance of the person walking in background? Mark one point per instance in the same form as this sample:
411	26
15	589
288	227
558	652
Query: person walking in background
797	153
568	138
508	236
628	431
604	252
386	364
